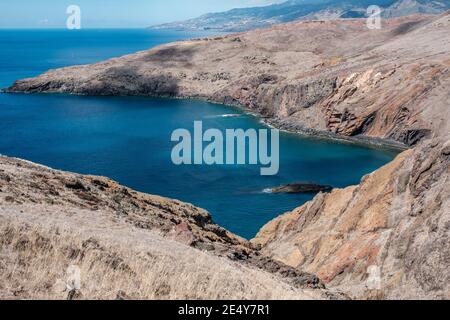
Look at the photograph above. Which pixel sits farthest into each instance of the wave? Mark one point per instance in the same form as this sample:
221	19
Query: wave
267	190
229	115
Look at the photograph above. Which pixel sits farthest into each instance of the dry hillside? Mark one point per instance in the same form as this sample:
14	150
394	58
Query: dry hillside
397	219
127	245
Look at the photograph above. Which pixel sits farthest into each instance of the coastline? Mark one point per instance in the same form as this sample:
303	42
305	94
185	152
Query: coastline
291	127
365	141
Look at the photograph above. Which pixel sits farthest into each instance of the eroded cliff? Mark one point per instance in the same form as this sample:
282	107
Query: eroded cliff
396	223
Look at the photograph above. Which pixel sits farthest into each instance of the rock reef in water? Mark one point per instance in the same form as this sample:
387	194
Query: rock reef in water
301	187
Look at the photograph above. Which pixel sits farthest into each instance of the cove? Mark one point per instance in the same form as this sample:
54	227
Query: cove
128	138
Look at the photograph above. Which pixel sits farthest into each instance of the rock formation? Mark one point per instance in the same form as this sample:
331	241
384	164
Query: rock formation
396	222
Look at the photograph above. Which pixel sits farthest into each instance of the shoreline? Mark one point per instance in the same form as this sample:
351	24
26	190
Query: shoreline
365	141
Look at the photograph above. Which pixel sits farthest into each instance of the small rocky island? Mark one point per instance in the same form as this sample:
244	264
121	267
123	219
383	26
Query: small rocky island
301	187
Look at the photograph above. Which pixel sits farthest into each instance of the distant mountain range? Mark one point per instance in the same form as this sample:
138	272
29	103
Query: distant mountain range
243	19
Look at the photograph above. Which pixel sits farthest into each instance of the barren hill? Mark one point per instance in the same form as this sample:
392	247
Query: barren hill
396	221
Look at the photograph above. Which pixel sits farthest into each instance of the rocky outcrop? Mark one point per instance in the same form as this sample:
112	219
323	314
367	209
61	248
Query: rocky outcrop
125	244
334	77
387	238
301	187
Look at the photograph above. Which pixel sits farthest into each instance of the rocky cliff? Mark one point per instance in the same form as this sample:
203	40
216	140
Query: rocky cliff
387	238
334	77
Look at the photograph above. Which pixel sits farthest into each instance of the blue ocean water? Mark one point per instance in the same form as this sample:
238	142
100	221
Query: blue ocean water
128	138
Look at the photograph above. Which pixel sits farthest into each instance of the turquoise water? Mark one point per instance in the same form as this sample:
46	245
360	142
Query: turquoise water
128	138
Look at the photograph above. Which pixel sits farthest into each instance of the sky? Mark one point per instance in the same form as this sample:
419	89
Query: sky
111	13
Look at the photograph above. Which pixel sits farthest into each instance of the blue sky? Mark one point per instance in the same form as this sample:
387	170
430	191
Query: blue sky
111	13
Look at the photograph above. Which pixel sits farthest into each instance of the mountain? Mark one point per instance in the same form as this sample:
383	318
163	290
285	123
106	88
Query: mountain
407	7
243	19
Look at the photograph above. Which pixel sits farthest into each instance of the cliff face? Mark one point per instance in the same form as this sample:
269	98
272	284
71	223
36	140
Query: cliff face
395	224
336	77
126	244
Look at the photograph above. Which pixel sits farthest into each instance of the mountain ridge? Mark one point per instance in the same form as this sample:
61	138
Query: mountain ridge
243	19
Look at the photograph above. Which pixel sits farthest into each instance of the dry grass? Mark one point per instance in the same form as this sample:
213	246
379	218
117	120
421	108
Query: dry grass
125	244
116	263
